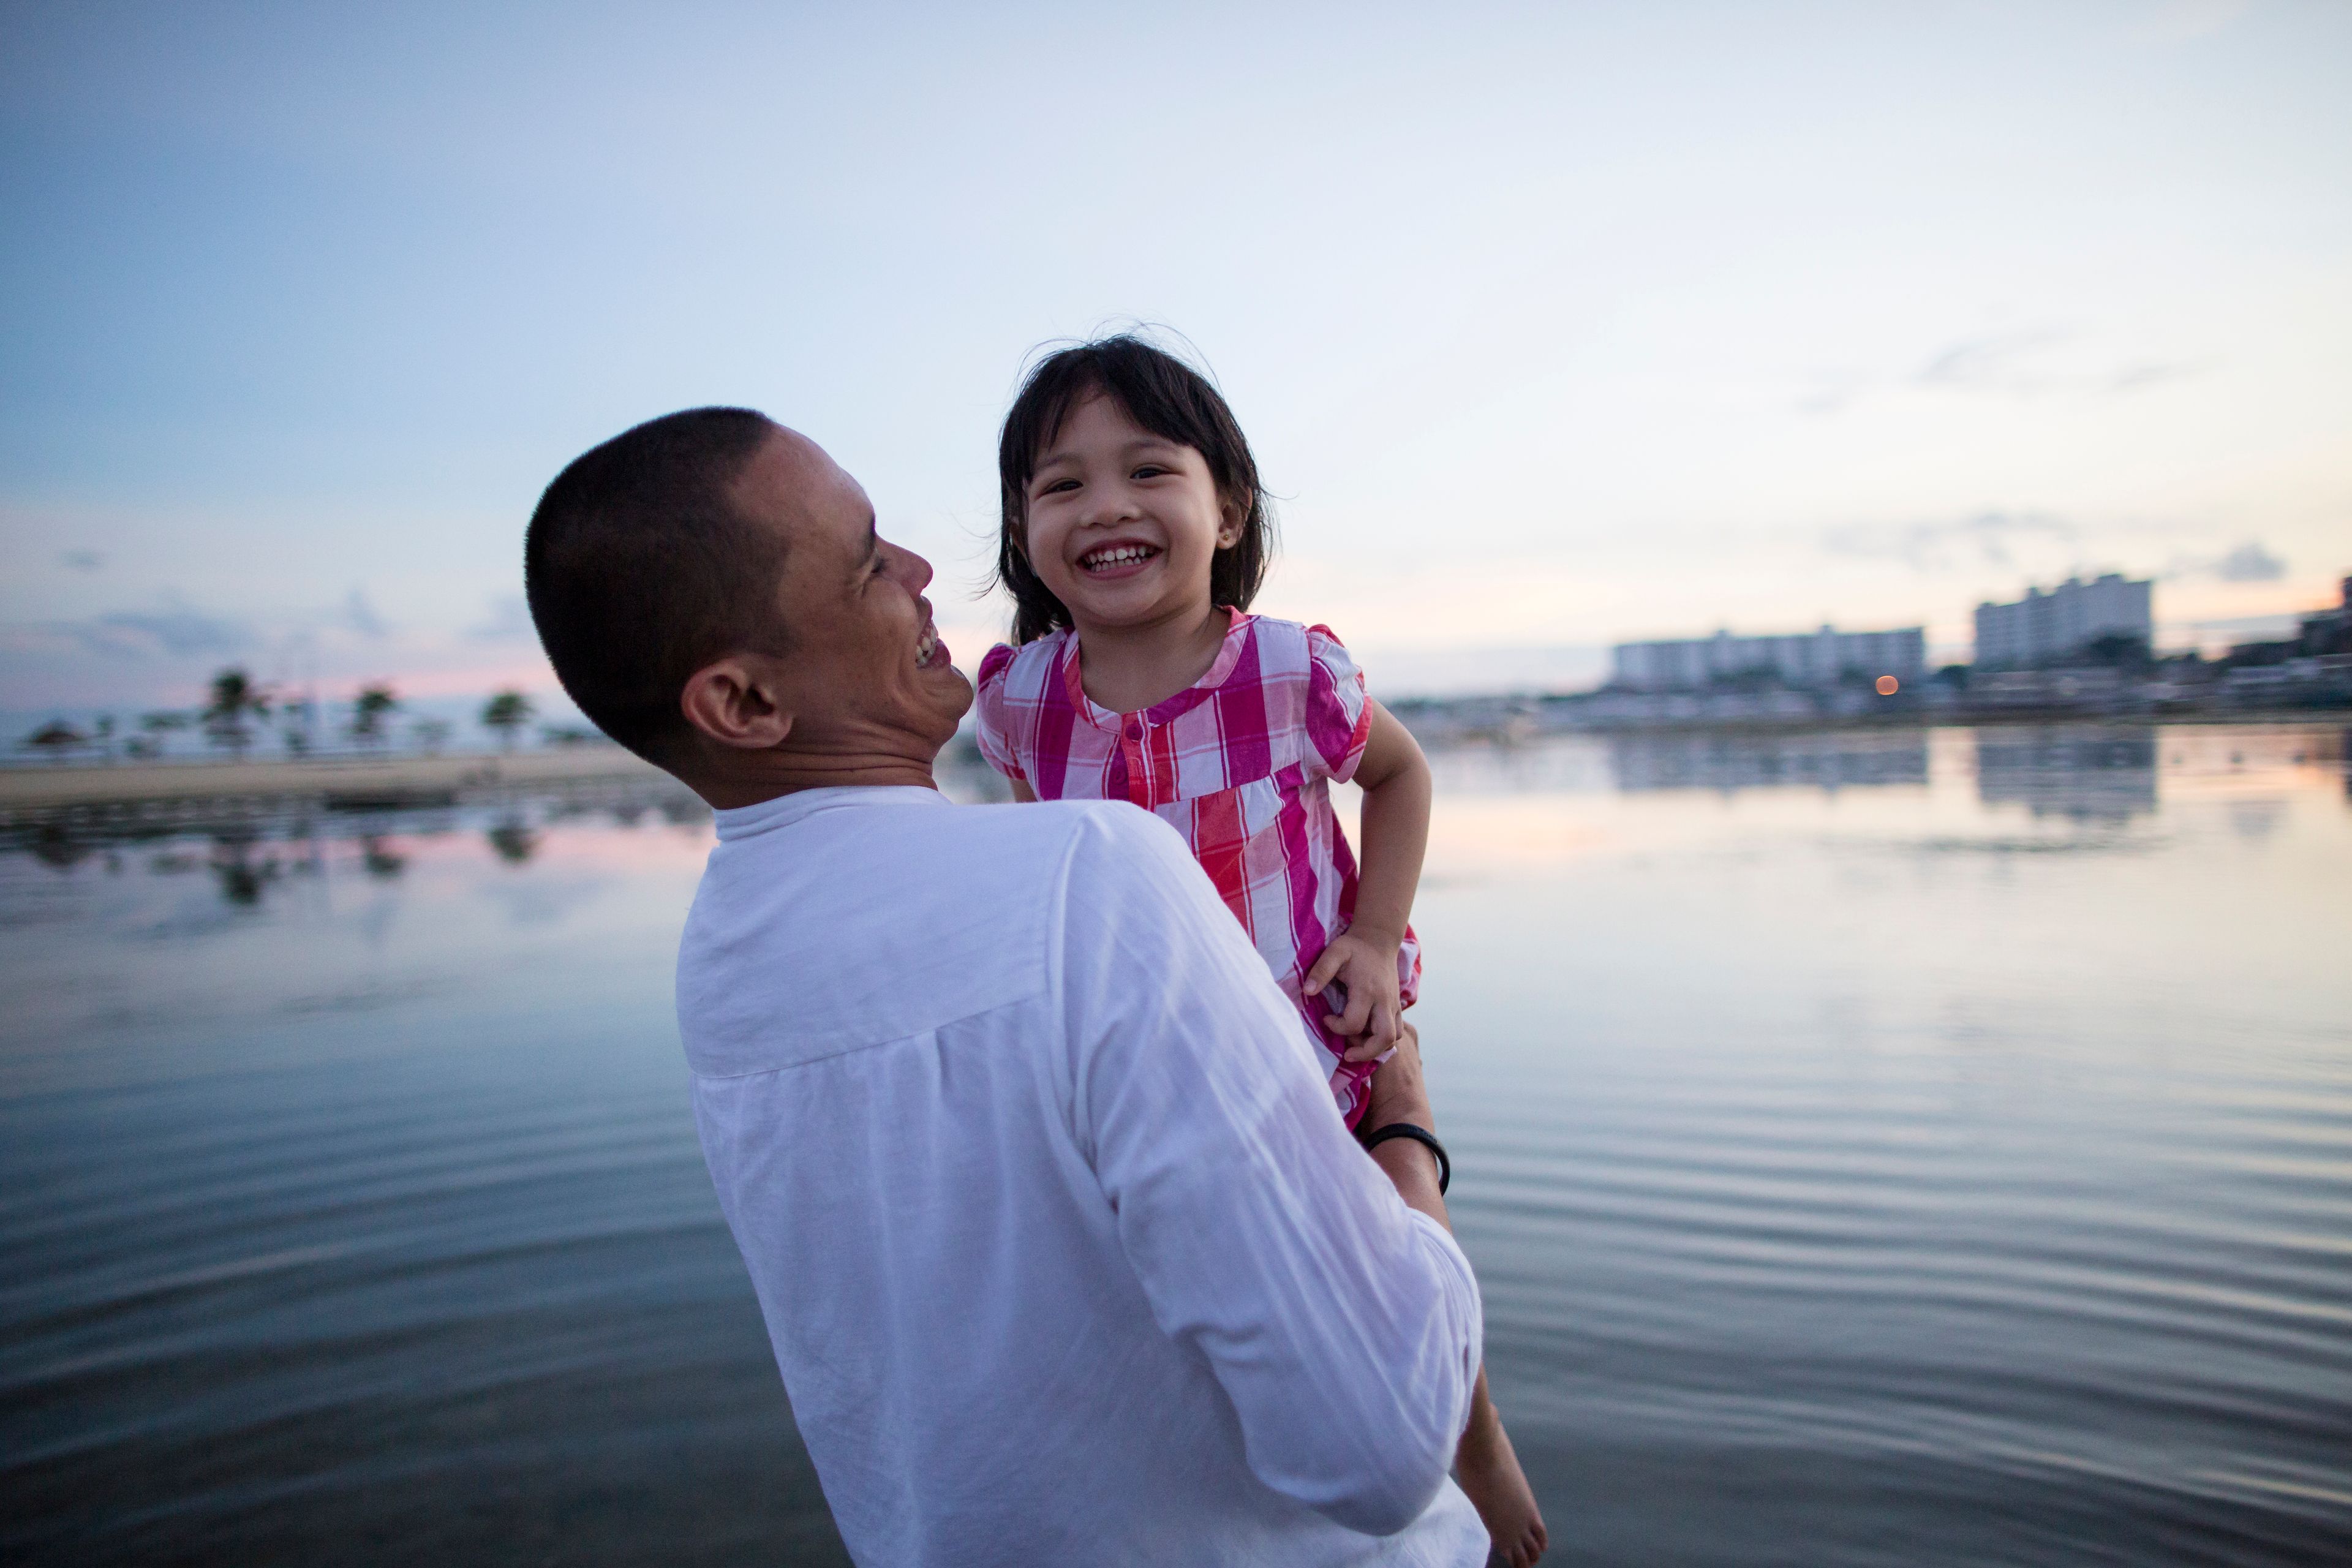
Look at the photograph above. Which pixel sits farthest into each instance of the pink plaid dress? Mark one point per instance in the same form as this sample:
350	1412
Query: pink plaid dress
1241	764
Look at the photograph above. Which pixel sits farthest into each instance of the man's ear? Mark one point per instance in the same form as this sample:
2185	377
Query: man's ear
735	701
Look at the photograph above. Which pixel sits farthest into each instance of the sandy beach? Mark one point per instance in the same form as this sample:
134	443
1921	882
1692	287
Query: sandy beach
344	780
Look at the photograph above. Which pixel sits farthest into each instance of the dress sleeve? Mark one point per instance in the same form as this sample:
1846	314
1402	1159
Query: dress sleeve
1343	1326
1338	712
992	715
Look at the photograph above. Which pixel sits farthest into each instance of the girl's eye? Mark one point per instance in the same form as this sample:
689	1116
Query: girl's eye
1149	470
1059	485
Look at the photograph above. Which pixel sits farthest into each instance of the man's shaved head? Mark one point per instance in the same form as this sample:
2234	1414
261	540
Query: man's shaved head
641	566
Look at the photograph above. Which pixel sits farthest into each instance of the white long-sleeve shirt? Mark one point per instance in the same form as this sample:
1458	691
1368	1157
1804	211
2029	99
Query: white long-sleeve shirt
1063	1251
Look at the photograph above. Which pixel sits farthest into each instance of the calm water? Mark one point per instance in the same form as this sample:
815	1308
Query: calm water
1924	1149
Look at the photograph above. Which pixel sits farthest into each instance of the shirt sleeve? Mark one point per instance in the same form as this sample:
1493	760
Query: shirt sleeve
1343	1326
992	713
1339	711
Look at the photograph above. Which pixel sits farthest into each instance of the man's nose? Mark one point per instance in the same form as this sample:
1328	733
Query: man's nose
913	568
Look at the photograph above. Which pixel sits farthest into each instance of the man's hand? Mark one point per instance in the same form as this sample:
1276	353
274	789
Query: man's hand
1373	1016
1398	1092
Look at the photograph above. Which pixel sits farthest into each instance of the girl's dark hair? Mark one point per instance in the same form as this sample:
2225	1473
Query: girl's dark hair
1166	397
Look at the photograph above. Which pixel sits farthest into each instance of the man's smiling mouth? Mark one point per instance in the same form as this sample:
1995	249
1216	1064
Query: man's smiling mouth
1110	557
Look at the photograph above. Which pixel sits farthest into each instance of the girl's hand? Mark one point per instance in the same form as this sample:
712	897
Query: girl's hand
1372	1016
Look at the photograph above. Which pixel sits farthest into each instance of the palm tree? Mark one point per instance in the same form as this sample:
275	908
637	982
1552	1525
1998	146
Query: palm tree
295	717
56	738
234	696
370	710
507	712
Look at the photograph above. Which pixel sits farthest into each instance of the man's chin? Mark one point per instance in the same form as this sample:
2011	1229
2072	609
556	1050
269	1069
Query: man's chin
955	701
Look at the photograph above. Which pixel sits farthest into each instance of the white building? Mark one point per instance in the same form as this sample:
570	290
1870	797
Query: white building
2042	628
1824	657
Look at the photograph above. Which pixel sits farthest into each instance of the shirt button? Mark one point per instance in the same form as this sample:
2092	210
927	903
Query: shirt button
1135	730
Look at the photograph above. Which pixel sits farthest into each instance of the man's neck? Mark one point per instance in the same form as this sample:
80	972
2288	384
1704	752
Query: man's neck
746	778
1128	668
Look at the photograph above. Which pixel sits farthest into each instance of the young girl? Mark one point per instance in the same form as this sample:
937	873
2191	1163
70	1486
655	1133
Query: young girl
1135	536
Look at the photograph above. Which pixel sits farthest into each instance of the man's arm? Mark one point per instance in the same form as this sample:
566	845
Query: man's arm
1343	1327
1399	1093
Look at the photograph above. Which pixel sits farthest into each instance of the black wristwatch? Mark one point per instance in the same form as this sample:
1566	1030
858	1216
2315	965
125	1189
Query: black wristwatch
1420	1135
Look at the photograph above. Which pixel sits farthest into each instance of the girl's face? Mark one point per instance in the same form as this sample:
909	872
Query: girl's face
1122	524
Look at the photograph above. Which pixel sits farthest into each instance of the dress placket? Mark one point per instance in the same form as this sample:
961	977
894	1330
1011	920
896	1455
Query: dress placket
1130	751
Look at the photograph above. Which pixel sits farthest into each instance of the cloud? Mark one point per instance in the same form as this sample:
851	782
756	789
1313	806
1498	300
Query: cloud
81	560
2278	624
509	621
360	617
1833	393
2139	377
159	655
2022	363
2250	563
1994	363
2177	21
176	629
1988	536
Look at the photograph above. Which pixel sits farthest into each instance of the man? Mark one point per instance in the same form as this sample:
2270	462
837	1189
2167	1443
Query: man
1064	1252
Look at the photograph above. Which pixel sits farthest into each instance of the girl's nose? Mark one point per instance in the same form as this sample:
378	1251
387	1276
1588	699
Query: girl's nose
1108	504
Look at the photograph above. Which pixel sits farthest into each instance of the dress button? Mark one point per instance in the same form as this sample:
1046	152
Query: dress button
1135	729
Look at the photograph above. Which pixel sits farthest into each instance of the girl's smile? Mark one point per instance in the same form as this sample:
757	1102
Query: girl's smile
1121	560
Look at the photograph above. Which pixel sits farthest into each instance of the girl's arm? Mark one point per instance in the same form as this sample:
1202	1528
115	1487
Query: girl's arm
1395	779
1021	791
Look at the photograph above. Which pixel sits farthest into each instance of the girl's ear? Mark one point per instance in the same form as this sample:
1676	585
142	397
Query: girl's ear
1233	518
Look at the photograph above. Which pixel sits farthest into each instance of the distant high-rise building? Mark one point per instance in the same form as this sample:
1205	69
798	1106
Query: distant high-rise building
2329	631
2047	627
1824	657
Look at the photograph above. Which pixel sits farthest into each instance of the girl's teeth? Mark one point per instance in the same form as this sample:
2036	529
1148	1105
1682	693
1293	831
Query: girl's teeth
1117	557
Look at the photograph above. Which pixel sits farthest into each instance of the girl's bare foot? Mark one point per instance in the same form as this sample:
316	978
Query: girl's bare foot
1489	1473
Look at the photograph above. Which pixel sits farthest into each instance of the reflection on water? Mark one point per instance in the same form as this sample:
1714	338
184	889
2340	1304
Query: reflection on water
381	857
514	841
1909	1148
251	847
2105	776
1720	761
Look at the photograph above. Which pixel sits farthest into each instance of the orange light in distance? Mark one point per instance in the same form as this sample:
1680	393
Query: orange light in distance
1888	686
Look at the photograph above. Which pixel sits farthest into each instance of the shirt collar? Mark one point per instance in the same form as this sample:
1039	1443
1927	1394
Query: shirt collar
786	810
1229	654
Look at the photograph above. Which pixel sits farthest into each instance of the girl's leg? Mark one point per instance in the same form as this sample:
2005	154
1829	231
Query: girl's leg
1489	1473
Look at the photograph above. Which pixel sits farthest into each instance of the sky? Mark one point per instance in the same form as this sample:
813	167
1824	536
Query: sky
1550	325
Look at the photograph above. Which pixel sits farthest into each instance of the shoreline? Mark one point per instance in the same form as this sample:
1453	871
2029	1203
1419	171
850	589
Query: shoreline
355	783
1523	718
347	782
